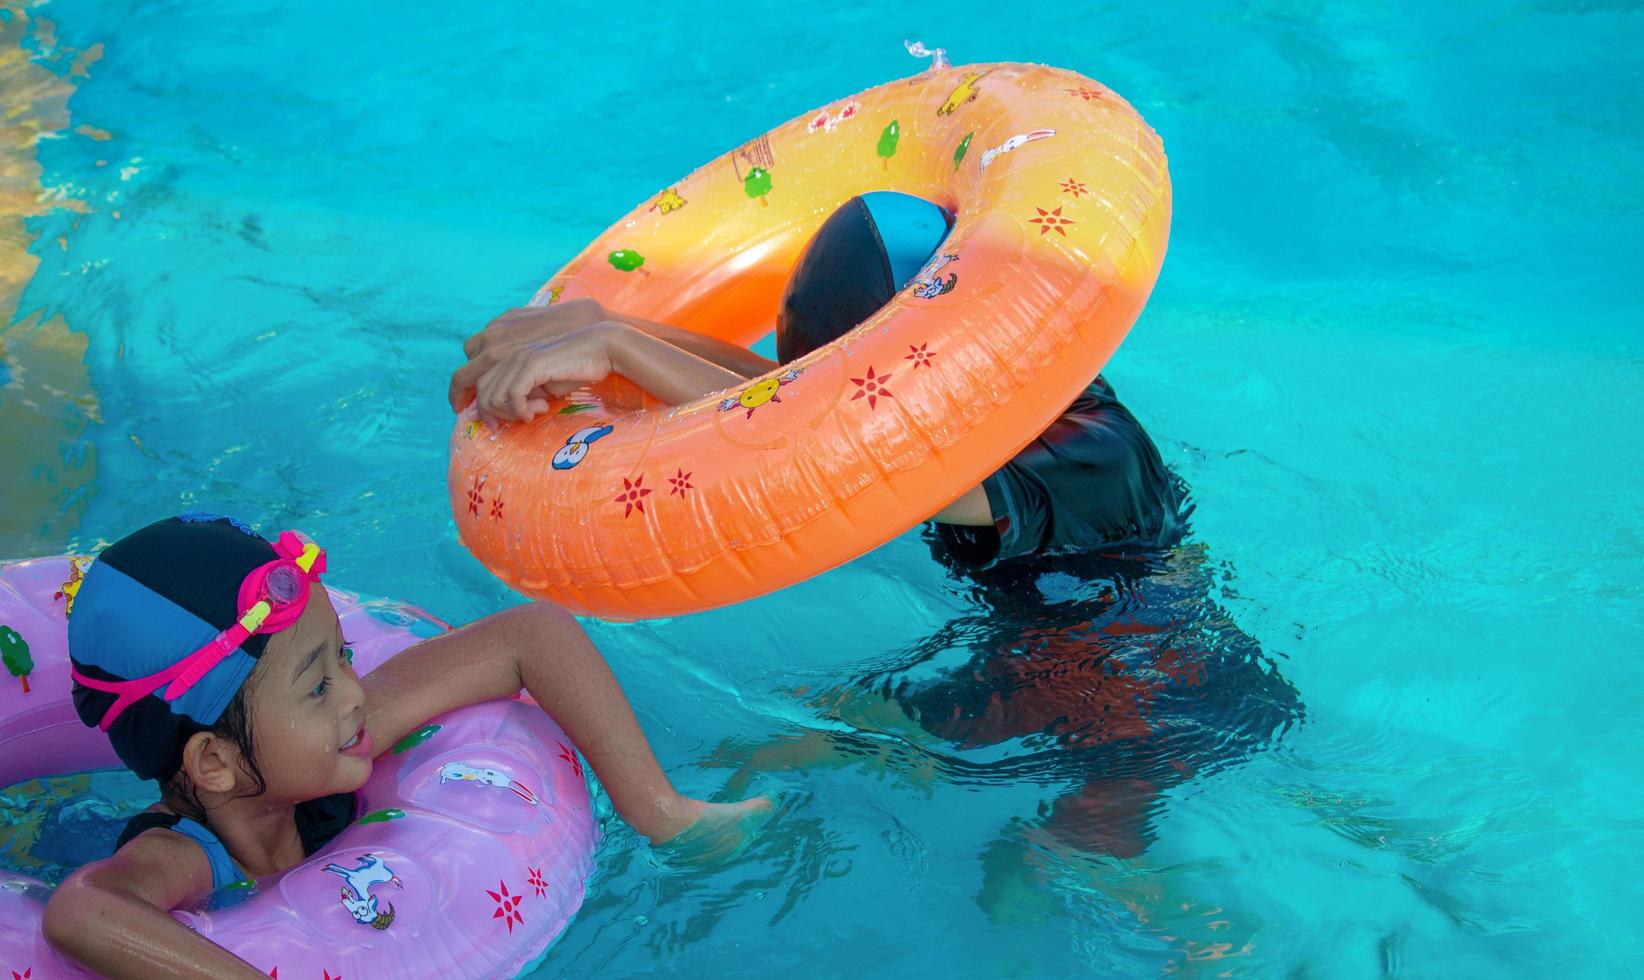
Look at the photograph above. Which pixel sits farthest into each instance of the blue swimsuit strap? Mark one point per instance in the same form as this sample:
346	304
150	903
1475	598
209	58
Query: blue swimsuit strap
224	871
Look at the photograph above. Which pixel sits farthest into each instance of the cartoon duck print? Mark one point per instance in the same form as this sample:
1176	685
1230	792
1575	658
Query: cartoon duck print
965	91
1014	143
68	590
668	201
362	905
758	394
575	449
462	772
929	284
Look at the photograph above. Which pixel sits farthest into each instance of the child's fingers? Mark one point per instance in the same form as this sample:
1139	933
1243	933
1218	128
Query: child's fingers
491	392
518	396
532	385
460	391
514	380
463	381
514	391
462	396
545	393
520	384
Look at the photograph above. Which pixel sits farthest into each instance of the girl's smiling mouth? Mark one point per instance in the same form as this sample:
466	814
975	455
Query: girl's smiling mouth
359	745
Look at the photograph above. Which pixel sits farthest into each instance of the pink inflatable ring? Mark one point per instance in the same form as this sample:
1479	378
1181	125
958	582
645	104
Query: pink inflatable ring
471	849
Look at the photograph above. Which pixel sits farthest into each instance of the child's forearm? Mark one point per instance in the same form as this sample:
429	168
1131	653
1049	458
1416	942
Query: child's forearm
115	935
744	362
569	678
669	373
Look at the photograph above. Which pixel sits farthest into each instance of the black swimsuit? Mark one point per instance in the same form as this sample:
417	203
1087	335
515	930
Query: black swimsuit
318	821
1092	478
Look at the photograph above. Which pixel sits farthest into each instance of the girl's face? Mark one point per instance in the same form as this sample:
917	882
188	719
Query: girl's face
308	710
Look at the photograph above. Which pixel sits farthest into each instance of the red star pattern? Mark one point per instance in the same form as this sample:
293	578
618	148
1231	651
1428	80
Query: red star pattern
571	757
507	906
496	508
474	497
1051	220
536	882
28	971
1088	94
328	975
871	387
633	495
919	356
1074	187
679	483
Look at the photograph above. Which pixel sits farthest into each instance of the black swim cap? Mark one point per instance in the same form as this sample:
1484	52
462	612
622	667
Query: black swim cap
858	259
149	600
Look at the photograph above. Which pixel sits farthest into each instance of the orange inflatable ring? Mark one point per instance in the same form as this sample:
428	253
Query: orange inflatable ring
619	507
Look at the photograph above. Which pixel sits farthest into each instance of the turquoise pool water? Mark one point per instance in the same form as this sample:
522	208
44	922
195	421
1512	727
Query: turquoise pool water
1392	351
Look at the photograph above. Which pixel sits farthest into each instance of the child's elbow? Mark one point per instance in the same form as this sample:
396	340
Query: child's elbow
544	630
70	912
530	625
547	616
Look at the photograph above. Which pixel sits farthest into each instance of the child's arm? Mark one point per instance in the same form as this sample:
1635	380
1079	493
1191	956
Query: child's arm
511	383
515	386
112	916
541	648
727	355
538	323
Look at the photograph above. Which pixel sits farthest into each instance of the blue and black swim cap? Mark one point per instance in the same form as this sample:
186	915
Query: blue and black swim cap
866	251
148	601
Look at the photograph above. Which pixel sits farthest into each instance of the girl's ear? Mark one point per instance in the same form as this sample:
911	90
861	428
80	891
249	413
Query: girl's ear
212	763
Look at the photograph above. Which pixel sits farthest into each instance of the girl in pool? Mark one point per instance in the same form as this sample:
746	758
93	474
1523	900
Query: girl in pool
214	661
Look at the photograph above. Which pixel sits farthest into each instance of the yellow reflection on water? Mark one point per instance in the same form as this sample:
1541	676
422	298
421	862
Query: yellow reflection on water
46	398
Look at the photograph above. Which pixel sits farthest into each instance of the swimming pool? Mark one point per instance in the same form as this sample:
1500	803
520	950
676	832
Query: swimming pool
1392	351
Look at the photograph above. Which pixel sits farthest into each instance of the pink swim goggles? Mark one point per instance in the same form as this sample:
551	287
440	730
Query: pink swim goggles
271	598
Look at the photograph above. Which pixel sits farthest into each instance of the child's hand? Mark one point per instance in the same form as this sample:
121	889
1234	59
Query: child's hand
532	323
515	329
514	385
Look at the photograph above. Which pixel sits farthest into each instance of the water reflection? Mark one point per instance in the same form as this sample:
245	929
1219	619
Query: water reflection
655	912
1108	679
49	827
47	403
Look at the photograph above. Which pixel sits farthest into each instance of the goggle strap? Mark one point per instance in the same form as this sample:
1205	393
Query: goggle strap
126	693
207	657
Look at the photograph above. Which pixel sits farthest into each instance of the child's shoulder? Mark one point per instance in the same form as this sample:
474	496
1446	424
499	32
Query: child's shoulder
156	817
194	859
155	864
